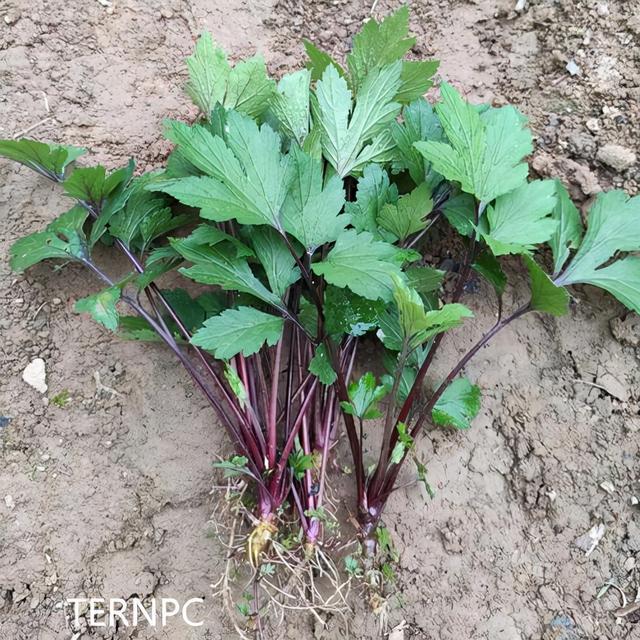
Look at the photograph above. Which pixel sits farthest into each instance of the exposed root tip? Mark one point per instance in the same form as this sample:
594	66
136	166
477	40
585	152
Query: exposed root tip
259	541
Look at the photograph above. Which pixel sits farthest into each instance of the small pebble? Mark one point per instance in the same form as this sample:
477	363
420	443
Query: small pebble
593	125
9	502
590	540
608	487
34	375
573	68
616	156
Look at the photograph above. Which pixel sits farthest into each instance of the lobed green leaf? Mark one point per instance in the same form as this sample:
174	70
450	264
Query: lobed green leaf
458	405
243	330
485	150
101	307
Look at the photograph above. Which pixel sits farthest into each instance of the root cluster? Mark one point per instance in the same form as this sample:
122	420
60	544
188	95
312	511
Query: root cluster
269	570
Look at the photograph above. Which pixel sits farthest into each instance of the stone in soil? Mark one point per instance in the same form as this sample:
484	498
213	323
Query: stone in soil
35	375
616	156
626	330
562	627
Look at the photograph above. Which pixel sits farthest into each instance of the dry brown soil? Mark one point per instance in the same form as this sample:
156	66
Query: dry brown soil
110	495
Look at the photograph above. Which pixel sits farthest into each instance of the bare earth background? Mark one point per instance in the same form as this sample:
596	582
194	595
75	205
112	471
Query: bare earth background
110	496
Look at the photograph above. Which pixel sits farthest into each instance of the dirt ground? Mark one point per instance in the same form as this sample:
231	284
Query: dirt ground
111	495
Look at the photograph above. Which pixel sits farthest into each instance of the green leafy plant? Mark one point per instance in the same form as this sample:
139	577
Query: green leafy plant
299	213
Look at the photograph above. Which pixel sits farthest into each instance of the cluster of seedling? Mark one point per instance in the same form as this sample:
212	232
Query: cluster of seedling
303	210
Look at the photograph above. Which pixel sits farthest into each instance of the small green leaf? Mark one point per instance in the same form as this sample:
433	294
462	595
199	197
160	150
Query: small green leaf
385	542
217	122
213	302
422	477
413	325
141	208
460	212
420	123
569	230
485	150
458	405
347	312
379	44
362	264
190	313
613	226
246	87
397	453
102	307
312	144
234	467
521	219
408	216
290	105
407	377
35	248
415	79
39	156
390	330
424	279
319	61
207	235
276	260
208	74
159	223
352	566
61	399
120	188
300	463
249	88
324	516
622	280
364	396
488	266
311	212
545	295
236	384
374	191
405	442
136	328
63	238
267	569
320	366
308	316
92	184
243	330
157	267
